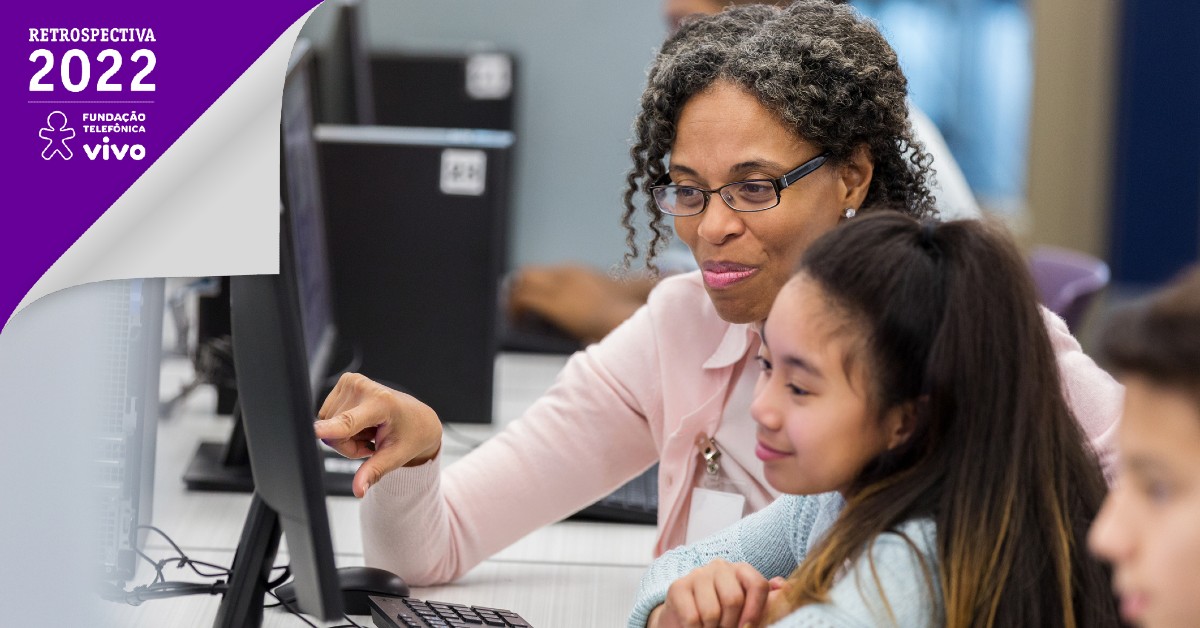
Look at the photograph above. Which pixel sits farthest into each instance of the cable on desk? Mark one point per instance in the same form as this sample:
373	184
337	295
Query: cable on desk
181	559
159	590
160	587
301	617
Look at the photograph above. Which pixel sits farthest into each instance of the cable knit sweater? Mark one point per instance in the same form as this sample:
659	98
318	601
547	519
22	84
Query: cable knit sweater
777	538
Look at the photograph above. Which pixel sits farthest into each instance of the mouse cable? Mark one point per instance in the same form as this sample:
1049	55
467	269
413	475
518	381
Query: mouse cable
158	590
160	587
281	602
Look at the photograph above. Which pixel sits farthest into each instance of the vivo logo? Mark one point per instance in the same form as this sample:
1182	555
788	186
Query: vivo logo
137	152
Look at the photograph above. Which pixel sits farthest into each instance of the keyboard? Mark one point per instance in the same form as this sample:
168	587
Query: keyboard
634	502
408	612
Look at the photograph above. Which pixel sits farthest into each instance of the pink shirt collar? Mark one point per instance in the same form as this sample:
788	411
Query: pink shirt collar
738	339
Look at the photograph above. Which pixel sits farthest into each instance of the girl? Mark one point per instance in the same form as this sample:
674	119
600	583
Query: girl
910	407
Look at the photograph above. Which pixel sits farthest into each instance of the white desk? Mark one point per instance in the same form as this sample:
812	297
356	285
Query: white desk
571	574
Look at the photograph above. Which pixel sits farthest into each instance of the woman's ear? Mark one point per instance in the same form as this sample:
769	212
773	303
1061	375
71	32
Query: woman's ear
854	177
899	423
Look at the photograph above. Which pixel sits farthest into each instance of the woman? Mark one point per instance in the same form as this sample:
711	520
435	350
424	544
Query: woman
749	94
925	485
1150	526
587	304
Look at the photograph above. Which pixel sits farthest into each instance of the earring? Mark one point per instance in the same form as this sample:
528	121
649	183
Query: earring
850	212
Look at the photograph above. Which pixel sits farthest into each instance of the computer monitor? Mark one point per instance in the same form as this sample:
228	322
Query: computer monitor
301	191
350	40
277	414
225	466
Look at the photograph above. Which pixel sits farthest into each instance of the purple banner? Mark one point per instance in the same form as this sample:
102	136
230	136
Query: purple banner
96	92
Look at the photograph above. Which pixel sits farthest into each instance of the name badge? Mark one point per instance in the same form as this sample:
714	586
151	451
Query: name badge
712	511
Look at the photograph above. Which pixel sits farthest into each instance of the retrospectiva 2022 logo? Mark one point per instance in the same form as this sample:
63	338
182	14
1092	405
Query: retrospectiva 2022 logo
105	118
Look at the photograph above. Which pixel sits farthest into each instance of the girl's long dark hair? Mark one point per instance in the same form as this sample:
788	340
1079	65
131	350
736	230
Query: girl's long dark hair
996	460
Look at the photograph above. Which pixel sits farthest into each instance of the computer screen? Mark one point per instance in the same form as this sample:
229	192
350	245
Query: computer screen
277	415
225	466
302	197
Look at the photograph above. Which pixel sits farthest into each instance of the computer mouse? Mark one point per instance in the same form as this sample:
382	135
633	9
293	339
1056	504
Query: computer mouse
356	584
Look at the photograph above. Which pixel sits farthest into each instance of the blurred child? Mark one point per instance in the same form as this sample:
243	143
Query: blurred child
1150	525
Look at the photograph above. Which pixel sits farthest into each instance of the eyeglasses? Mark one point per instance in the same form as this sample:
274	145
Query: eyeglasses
753	195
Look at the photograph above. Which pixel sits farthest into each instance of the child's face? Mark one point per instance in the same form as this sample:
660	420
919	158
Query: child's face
815	428
1149	527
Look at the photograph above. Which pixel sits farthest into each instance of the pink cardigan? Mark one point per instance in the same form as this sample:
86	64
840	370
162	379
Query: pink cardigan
640	395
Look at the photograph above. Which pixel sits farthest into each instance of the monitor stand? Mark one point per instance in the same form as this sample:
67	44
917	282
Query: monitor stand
225	466
242	604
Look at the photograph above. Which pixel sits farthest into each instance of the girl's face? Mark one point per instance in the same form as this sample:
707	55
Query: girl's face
816	429
725	135
1149	528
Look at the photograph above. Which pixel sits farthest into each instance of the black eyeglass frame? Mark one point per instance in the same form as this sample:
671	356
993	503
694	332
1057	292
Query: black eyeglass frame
780	184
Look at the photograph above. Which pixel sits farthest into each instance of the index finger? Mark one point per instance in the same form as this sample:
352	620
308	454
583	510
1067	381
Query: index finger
756	589
344	424
334	399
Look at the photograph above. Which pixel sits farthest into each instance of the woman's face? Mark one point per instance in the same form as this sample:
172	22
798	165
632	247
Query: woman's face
724	135
1149	528
816	430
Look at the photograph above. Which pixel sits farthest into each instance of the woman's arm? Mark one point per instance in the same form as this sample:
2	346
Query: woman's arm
1093	395
584	438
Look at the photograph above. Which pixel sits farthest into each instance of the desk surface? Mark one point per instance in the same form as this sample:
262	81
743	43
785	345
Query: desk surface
568	574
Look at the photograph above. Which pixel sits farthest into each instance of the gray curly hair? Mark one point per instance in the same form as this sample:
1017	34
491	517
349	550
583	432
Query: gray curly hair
823	70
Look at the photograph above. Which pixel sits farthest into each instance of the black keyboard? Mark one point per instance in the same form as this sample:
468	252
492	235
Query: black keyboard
634	502
408	612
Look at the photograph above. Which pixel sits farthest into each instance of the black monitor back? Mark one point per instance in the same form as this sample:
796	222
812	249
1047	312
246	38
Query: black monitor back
344	68
277	413
417	223
459	91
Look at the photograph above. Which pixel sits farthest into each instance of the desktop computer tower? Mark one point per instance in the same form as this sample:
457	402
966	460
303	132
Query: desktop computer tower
458	91
416	222
131	314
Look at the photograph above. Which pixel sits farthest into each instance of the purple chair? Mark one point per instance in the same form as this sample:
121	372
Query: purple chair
1067	281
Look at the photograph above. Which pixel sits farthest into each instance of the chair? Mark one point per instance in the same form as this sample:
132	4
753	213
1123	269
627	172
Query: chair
1067	281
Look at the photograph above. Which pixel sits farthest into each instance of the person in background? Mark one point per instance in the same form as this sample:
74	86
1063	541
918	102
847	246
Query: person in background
587	304
779	125
924	485
1150	525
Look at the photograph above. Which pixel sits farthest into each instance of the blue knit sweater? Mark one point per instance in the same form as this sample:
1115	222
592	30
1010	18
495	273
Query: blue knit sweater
776	539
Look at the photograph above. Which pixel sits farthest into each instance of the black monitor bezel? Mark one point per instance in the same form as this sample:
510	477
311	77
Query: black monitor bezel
277	414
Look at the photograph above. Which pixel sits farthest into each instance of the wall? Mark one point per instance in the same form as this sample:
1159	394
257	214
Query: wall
1071	121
